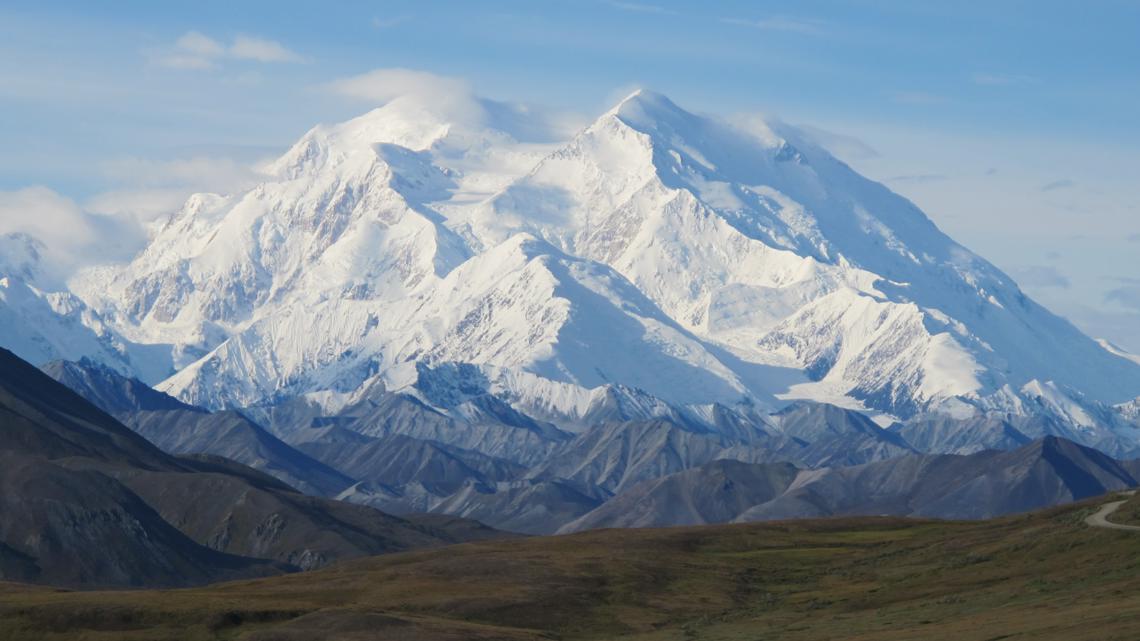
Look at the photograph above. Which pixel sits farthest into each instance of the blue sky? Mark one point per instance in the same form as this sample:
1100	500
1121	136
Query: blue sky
1012	124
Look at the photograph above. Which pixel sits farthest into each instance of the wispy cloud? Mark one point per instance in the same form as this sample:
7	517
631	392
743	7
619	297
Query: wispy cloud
261	50
1118	326
1001	80
1127	295
1063	183
917	98
111	225
384	85
1040	276
837	143
198	44
71	237
181	61
640	7
780	23
454	100
195	50
1134	238
918	178
390	22
142	204
146	189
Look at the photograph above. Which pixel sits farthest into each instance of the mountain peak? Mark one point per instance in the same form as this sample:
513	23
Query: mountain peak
656	114
644	97
20	256
691	233
647	110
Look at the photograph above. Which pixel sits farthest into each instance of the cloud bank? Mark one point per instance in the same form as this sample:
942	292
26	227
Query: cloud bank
455	100
71	237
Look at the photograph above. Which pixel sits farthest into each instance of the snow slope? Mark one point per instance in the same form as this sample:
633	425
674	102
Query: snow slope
664	257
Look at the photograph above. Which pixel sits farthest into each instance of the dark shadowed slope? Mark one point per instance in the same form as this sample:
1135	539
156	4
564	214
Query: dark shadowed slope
178	428
232	435
830	436
397	459
1046	472
717	492
86	501
43	418
614	456
82	528
62	524
109	390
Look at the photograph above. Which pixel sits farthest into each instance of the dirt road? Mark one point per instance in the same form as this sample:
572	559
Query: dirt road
1100	518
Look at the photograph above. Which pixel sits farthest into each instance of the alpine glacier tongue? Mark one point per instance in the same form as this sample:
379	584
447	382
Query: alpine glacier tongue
656	250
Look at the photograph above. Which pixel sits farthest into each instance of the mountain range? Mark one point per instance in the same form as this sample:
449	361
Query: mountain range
426	323
812	460
659	261
1046	472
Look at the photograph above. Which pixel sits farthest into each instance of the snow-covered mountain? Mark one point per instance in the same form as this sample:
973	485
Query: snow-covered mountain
659	260
40	325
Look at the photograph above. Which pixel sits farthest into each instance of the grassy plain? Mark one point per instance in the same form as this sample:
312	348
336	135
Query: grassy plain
1040	576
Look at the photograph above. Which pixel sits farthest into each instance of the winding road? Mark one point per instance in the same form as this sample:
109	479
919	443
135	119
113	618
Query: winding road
1100	518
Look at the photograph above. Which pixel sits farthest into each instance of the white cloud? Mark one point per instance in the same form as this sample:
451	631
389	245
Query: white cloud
1000	80
71	236
261	50
390	22
202	172
185	62
837	143
640	7
198	44
780	23
144	205
917	98
148	189
380	86
194	50
449	98
454	100
41	212
112	226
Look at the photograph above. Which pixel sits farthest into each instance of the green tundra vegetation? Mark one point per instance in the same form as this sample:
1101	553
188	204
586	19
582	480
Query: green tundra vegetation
1044	575
1129	513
